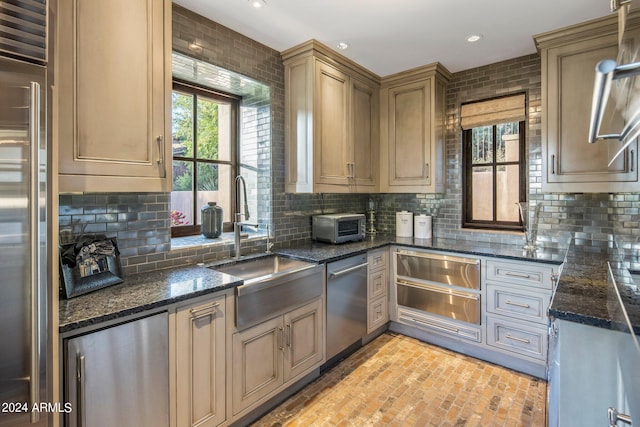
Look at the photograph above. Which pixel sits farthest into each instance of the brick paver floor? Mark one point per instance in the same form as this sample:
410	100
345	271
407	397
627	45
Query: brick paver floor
399	381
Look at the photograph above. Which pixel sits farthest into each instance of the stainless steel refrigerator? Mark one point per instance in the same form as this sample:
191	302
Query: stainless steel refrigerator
23	214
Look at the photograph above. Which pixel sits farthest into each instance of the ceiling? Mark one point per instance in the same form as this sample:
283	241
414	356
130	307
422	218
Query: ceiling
389	36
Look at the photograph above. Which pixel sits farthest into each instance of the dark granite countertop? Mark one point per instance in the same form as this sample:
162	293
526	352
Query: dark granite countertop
553	251
586	292
151	290
139	293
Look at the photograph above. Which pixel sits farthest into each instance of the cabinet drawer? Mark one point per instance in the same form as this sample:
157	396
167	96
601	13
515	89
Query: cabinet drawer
378	283
437	324
378	313
520	273
527	340
378	259
518	303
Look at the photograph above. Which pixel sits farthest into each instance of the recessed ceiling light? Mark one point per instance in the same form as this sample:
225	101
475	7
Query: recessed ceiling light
343	45
474	38
257	3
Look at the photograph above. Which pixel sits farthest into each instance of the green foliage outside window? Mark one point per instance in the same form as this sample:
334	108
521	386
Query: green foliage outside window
205	147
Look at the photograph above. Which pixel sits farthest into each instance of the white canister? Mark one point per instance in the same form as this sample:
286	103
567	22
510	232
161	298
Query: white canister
404	224
422	226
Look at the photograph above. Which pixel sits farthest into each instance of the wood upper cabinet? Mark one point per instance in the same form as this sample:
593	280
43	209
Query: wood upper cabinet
331	122
331	150
112	93
412	107
570	163
364	135
201	363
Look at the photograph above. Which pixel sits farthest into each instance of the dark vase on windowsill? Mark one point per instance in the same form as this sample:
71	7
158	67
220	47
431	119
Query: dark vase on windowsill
212	220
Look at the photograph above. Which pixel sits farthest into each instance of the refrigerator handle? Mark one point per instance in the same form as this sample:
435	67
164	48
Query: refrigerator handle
34	212
80	391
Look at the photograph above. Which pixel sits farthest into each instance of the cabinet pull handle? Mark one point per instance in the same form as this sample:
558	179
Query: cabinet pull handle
632	160
159	140
281	343
197	313
289	335
426	170
517	304
522	340
80	389
350	170
553	164
521	275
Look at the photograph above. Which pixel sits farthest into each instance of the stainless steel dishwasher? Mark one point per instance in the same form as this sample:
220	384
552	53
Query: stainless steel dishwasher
346	303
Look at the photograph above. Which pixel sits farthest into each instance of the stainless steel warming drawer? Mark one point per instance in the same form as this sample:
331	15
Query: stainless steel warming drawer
438	284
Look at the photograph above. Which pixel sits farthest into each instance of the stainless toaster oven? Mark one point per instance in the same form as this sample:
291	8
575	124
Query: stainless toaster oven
338	228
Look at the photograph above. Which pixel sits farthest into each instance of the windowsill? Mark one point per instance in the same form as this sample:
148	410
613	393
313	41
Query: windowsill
199	241
492	231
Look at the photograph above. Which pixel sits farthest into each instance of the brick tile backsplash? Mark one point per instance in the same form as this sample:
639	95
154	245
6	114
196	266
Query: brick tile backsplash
141	221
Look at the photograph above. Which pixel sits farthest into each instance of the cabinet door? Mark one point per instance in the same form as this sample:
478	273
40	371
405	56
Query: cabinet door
304	337
257	362
112	83
200	360
409	135
119	376
364	137
330	148
572	164
378	310
378	282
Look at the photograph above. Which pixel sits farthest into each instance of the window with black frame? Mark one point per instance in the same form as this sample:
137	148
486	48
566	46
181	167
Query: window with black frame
205	147
494	168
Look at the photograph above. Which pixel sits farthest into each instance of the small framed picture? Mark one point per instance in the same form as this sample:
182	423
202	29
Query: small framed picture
89	264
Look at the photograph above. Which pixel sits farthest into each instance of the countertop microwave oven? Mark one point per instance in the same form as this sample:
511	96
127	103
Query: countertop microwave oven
338	228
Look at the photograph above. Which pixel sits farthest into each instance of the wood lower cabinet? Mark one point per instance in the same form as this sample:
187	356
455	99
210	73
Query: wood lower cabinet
273	354
112	95
200	363
257	363
412	108
377	289
570	163
518	296
331	122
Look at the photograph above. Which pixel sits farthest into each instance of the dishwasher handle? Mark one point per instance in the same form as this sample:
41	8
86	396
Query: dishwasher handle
347	270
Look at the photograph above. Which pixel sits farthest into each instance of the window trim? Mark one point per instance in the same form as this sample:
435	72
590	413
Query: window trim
467	164
234	101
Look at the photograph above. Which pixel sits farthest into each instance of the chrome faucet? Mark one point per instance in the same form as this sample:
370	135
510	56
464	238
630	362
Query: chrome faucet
269	245
238	223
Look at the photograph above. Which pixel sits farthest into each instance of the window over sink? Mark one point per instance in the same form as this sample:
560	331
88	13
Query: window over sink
493	149
221	125
204	141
